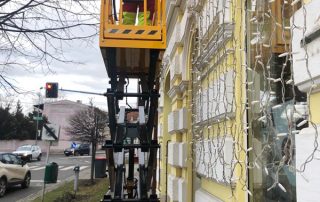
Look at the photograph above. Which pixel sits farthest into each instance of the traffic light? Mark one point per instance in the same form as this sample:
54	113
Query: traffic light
51	90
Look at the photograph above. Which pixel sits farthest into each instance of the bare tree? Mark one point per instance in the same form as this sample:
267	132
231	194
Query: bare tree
33	33
89	125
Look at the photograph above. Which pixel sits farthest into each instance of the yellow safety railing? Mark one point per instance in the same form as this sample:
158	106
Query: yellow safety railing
114	33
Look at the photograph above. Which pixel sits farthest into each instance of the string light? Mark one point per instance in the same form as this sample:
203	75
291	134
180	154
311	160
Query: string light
215	103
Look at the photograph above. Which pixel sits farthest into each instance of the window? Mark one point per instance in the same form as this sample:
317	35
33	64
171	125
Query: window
273	103
14	159
6	159
24	148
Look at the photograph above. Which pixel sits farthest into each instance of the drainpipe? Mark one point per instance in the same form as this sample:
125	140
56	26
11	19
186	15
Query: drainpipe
159	173
167	170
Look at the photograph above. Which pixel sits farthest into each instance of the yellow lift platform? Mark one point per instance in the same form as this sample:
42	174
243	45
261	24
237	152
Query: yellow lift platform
113	33
127	47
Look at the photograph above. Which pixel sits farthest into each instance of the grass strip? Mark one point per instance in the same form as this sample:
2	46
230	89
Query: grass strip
86	192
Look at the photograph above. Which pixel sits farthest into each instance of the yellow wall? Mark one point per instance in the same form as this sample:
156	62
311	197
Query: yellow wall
315	107
234	127
165	137
173	103
219	190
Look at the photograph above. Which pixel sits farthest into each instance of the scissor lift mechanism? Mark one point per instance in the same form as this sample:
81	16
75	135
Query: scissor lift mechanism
121	130
129	55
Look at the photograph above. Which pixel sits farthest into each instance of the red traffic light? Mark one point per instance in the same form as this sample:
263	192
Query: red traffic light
51	90
49	86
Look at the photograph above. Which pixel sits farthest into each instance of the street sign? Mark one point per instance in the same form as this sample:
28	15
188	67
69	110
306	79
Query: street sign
37	118
50	132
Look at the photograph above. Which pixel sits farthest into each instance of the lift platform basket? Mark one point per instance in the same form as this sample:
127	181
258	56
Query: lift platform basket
148	33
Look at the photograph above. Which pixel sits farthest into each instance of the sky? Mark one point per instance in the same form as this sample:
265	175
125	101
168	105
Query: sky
87	74
90	76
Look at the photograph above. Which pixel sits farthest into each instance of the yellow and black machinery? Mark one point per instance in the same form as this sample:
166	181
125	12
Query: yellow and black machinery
132	52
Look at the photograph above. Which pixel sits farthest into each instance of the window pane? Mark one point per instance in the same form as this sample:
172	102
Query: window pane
273	102
6	158
14	159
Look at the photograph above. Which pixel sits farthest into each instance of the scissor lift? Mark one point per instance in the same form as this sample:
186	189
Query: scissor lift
132	52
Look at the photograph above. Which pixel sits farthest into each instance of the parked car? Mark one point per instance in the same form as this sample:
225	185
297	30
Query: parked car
80	149
13	171
29	152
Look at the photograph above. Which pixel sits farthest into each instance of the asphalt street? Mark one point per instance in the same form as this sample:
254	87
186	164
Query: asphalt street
66	165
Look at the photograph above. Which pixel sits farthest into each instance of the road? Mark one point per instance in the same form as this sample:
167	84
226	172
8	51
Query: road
66	165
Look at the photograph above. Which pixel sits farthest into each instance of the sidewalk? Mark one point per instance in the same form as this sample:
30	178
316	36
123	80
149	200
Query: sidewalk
50	187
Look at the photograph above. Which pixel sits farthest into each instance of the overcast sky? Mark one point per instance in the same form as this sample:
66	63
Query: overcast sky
88	76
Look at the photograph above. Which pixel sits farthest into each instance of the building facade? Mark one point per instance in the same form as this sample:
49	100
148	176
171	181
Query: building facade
239	98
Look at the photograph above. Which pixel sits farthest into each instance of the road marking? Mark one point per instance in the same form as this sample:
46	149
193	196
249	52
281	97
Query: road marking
31	167
67	168
75	157
40	168
83	167
62	168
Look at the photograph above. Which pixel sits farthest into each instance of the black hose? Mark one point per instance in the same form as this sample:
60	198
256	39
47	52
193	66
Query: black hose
115	10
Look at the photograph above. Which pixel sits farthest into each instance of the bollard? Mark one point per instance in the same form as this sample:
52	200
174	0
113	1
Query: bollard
76	170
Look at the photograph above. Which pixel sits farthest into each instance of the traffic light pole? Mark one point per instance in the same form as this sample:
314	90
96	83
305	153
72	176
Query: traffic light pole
37	123
38	112
84	92
44	182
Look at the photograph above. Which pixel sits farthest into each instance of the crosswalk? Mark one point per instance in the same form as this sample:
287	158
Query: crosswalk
38	168
61	168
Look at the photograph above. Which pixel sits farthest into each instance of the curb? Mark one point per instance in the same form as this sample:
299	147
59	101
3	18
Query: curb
55	186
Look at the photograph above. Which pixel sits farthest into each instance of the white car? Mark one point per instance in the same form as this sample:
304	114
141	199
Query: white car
29	152
13	171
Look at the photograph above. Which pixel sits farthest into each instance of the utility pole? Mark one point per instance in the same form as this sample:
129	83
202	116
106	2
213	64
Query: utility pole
44	183
94	144
37	118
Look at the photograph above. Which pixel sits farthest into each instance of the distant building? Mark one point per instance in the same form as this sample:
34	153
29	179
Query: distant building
59	113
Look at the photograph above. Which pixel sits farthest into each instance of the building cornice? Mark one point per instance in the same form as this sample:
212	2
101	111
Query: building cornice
310	84
183	86
174	91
